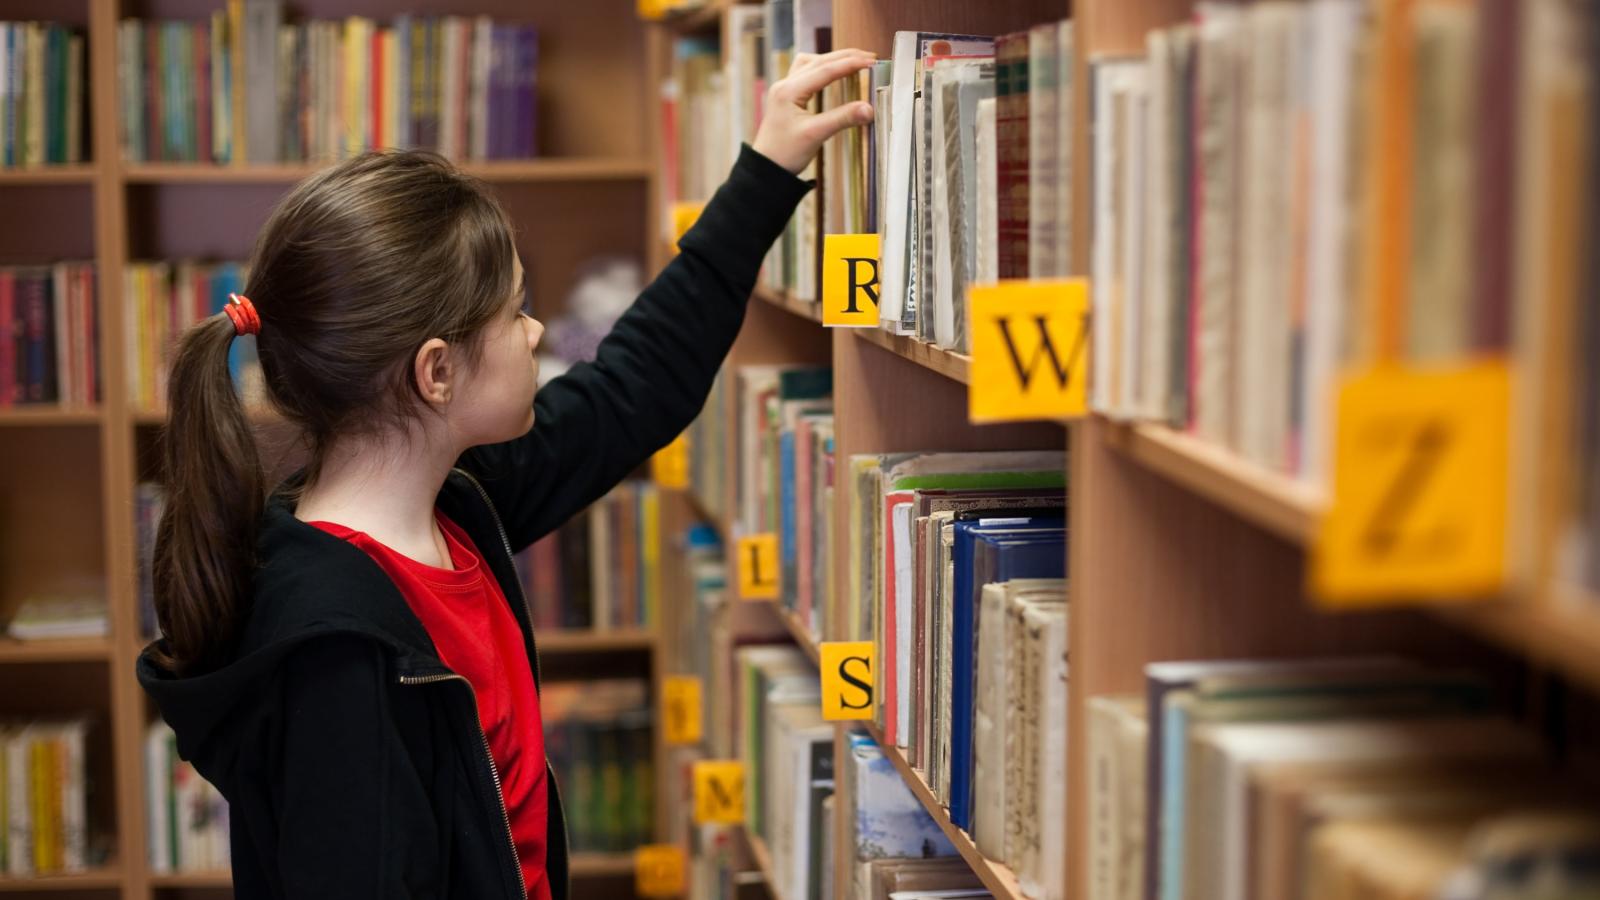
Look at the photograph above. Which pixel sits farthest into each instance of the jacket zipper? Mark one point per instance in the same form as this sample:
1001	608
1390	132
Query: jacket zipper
505	542
494	773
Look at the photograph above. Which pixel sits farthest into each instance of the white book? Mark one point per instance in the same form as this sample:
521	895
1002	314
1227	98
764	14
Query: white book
1161	186
1117	736
1218	49
60	281
901	515
123	40
19	815
989	727
986	217
1045	180
1053	753
1336	25
158	797
1109	77
742	69
1132	98
74	814
450	90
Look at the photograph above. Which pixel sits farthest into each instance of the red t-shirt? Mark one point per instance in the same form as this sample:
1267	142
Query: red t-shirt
472	627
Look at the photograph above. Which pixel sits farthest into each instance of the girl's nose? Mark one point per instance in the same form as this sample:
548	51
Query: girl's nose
535	330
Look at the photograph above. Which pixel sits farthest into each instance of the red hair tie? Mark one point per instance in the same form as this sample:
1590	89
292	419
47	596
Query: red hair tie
243	313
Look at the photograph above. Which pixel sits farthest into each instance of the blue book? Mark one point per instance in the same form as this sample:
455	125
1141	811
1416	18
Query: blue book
986	551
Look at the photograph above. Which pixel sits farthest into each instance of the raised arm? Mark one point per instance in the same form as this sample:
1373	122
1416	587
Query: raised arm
601	420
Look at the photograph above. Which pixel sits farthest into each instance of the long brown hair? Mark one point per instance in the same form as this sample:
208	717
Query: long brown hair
356	268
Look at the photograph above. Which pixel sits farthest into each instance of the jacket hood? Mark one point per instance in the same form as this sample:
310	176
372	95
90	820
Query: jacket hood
308	585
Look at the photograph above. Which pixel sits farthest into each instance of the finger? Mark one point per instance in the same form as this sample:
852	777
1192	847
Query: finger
826	124
814	58
800	87
801	61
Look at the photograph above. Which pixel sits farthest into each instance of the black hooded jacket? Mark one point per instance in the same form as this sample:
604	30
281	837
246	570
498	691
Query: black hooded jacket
351	757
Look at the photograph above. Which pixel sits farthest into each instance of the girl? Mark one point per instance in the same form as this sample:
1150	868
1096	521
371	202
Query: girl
351	661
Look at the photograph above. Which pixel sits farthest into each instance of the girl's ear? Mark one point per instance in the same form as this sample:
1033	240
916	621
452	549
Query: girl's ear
434	372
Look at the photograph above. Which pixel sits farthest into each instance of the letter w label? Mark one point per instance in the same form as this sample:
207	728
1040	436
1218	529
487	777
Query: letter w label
1030	350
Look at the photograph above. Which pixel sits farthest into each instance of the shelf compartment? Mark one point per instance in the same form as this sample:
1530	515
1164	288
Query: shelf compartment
1268	499
996	877
498	171
102	878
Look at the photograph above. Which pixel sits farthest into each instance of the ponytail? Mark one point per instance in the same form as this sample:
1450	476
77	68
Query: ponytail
205	543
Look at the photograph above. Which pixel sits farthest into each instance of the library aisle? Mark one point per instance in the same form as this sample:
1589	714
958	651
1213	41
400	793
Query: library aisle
1160	460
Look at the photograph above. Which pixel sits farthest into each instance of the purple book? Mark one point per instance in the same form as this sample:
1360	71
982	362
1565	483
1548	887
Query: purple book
524	141
501	98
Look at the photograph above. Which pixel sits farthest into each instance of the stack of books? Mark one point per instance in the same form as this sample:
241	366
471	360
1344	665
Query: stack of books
598	738
44	826
1369	777
602	569
41	94
958	579
247	87
49	332
163	300
187	816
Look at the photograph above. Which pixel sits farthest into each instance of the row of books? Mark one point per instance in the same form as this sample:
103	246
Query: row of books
1327	779
598	738
49	329
44	826
245	86
41	94
186	816
164	299
957	577
784	420
602	569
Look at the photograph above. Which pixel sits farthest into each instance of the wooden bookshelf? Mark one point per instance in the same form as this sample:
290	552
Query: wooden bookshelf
998	878
811	312
70	475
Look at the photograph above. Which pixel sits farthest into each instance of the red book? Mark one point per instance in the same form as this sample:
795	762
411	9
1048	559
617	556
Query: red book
375	85
202	87
8	338
1011	151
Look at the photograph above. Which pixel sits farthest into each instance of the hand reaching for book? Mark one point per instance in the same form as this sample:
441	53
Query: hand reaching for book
790	133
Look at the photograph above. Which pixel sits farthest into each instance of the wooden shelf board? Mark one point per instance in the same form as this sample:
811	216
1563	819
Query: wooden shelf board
1273	501
797	630
48	415
811	312
601	865
595	641
78	173
222	879
952	365
263	416
1560	628
63	650
763	858
500	171
109	877
997	877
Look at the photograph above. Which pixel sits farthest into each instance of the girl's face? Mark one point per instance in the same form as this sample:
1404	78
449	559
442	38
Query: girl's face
496	400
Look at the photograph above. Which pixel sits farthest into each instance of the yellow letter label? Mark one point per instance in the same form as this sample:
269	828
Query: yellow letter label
758	566
850	280
669	467
719	792
1419	487
1030	350
658	871
681	709
847	679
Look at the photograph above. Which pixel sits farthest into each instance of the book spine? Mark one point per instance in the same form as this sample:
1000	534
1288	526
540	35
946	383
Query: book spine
73	104
8	338
375	73
1011	148
202	93
526	140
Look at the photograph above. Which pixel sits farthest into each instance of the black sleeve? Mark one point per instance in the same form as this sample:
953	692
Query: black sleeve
601	420
334	776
